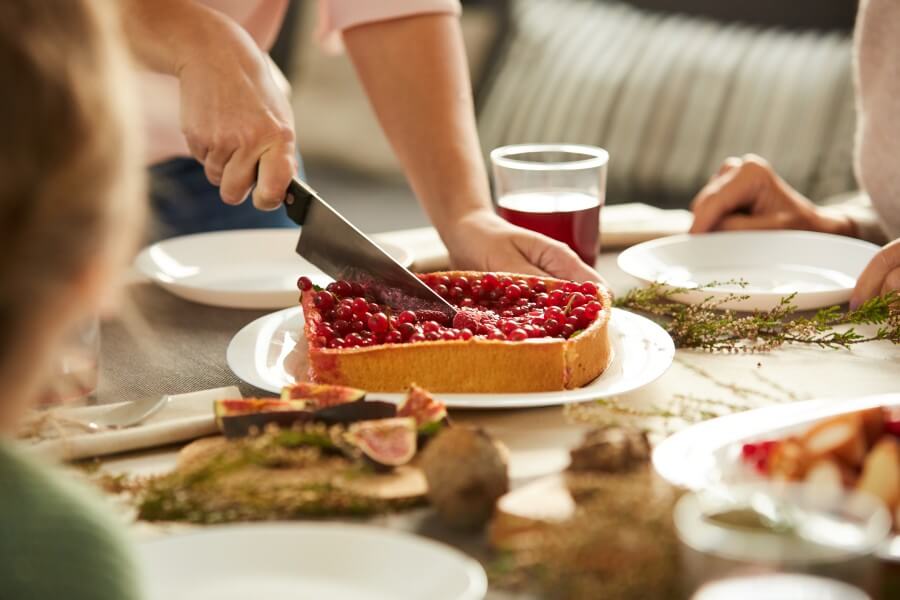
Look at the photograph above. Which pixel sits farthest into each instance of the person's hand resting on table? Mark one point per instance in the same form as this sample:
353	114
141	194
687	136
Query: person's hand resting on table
747	193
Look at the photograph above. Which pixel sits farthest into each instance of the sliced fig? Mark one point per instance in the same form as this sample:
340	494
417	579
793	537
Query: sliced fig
320	395
386	442
430	414
360	410
242	417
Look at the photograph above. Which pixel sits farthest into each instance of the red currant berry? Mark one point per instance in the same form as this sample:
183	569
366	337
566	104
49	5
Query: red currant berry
541	299
430	326
505	282
589	288
360	306
552	327
490	281
342	326
465	334
305	284
456	292
358	326
378	323
567	330
460	282
592	308
557	298
343	288
517	335
441	290
577	299
393	337
323	300
374	308
407	316
357	289
353	339
336	343
417	337
569	287
467	303
554	312
406	330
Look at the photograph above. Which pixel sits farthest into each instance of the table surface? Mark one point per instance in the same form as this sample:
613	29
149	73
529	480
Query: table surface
181	346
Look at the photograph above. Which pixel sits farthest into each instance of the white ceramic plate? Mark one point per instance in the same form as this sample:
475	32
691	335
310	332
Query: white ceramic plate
267	352
292	561
709	453
244	268
821	268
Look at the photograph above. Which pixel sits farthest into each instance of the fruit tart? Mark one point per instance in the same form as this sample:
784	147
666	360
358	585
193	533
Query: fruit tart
513	333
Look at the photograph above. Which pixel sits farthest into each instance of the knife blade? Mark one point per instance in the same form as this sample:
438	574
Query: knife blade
333	244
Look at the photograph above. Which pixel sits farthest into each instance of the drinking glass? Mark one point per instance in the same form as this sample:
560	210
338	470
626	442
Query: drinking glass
553	189
73	380
763	529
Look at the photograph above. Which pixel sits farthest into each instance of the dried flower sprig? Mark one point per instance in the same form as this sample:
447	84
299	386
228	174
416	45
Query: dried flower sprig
706	326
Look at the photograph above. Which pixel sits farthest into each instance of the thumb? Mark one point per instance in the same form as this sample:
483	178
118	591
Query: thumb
874	276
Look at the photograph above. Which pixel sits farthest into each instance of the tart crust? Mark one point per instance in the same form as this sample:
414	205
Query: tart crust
467	366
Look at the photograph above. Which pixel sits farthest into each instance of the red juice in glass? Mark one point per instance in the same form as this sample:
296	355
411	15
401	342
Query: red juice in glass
572	217
553	189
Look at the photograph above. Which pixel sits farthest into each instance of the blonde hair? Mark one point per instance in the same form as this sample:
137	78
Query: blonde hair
71	182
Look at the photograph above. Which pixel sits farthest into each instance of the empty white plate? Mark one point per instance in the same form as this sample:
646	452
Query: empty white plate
298	561
269	352
820	268
244	268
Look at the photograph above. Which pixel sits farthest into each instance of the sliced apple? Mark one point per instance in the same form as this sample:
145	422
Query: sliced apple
840	436
825	482
873	424
789	460
881	472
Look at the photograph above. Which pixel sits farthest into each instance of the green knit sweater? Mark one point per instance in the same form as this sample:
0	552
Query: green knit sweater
55	541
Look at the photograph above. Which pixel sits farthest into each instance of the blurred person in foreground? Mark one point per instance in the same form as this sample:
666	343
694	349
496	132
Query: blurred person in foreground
72	199
747	193
210	65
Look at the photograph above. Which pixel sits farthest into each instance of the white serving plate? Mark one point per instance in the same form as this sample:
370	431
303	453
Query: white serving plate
708	453
293	561
268	353
244	268
821	268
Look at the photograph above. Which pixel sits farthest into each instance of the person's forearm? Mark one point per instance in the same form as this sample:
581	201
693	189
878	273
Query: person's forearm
415	73
165	34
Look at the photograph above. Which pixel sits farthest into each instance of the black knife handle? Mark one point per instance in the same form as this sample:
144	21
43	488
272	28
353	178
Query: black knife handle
297	200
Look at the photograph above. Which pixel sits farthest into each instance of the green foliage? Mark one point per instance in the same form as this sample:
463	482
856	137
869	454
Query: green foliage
706	326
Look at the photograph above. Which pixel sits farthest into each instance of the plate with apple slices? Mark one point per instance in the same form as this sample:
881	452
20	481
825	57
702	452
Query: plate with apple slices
833	445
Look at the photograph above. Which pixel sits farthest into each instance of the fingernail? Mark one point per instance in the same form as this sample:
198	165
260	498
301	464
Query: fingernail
854	303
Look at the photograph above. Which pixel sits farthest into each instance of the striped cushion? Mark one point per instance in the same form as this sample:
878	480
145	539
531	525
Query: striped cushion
671	96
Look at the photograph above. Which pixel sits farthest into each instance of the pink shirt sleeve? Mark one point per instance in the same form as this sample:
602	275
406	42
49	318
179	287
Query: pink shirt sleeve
338	15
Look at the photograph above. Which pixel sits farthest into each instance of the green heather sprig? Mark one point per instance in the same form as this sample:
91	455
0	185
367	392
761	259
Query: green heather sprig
706	326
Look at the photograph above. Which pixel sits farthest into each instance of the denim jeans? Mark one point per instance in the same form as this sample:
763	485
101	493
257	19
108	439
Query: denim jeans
183	201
